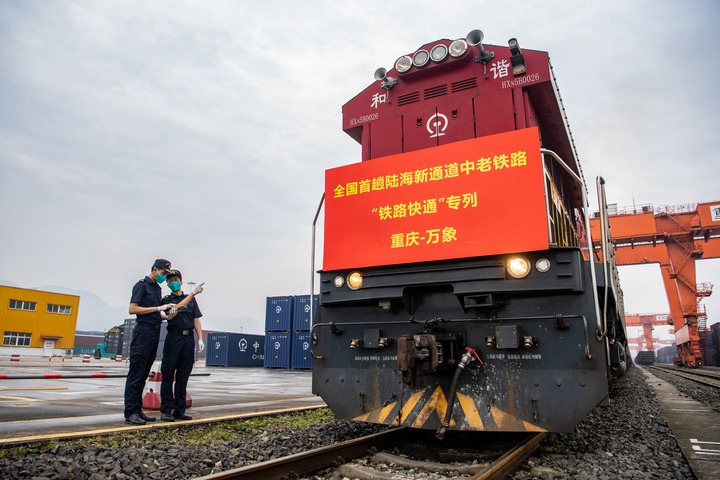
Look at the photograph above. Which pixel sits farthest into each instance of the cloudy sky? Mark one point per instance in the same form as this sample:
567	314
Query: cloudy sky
199	131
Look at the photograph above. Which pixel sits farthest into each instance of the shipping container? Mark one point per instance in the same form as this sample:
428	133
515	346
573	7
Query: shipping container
88	340
712	357
129	326
713	336
667	354
277	349
278	314
161	343
301	312
645	357
301	357
114	340
80	350
225	349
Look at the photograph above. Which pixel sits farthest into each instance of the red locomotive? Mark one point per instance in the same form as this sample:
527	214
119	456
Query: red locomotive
458	289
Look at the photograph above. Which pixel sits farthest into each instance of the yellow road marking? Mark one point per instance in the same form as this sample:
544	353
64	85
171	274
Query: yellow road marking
7	399
125	427
32	389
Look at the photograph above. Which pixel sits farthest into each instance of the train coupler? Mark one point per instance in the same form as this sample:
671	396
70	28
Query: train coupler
417	356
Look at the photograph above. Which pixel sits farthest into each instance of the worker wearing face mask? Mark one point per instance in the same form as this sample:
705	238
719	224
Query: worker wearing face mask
179	350
145	303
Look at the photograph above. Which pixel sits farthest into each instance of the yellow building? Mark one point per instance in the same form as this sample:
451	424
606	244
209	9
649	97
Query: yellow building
37	323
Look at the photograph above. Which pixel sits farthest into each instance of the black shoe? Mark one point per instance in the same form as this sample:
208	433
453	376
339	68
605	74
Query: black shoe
142	415
166	417
135	419
182	416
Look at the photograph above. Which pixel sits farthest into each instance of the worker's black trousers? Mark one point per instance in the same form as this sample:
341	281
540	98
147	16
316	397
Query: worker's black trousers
177	363
143	349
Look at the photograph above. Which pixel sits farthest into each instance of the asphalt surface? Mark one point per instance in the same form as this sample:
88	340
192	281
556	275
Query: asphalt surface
50	396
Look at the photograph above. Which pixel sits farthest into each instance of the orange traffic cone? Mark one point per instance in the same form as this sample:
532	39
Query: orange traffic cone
151	396
188	399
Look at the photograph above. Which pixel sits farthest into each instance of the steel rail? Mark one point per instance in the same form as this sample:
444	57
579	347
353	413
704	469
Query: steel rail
700	372
55	376
299	464
698	377
509	462
313	460
124	428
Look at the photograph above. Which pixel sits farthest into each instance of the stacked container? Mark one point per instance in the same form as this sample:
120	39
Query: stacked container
712	346
128	327
278	328
667	354
301	357
226	349
114	340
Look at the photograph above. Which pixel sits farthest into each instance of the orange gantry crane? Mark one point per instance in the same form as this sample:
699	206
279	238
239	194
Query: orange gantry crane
647	322
675	237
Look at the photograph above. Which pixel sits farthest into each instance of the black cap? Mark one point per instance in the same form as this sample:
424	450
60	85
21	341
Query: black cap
162	264
174	273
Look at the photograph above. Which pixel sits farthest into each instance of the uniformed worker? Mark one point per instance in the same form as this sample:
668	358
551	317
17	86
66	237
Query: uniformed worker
179	350
145	303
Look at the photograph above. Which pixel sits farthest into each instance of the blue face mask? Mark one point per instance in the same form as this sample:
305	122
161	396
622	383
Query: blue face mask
160	278
174	286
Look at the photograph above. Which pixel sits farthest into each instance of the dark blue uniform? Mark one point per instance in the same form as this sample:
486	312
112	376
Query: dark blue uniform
144	344
178	356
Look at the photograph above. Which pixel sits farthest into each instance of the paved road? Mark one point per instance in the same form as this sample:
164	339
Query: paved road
82	399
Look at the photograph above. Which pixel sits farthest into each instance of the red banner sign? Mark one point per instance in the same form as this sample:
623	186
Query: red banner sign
476	197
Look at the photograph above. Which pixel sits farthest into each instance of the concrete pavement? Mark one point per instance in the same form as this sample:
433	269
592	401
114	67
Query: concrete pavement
41	396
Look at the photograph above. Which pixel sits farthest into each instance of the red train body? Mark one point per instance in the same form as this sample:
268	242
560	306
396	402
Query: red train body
457	289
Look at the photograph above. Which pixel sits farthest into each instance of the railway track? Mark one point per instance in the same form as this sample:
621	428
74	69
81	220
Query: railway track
94	430
336	457
483	455
705	377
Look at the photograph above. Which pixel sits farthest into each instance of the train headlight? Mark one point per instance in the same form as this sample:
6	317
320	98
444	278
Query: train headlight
458	48
354	280
339	281
518	267
542	265
438	53
403	64
421	58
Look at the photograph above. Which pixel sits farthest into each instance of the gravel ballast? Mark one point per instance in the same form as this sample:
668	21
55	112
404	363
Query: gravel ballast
628	439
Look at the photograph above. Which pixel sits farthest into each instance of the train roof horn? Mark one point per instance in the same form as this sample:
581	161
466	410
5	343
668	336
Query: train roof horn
475	38
385	82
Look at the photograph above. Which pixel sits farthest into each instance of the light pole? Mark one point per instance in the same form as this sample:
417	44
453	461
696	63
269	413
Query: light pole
192	286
